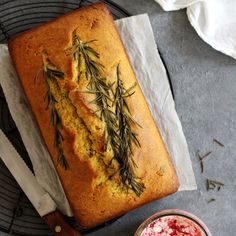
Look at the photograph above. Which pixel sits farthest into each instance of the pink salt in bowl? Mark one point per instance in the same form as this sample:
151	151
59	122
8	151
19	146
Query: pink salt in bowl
173	222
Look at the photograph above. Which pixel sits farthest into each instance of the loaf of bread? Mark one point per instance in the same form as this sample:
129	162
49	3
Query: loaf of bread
93	117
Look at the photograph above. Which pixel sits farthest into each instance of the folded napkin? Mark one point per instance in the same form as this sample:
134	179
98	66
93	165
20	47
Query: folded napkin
214	21
137	35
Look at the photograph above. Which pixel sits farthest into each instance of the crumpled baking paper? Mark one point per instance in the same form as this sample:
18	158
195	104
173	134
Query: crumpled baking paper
138	39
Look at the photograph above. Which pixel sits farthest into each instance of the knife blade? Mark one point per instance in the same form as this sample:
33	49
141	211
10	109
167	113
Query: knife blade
25	177
39	198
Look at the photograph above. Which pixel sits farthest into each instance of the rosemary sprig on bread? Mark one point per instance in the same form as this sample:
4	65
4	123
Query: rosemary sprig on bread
127	136
119	122
97	85
51	75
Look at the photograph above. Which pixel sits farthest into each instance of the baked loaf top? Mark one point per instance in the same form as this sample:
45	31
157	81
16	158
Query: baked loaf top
92	115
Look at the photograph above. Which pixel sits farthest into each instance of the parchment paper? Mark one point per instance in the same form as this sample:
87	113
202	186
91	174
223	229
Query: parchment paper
138	38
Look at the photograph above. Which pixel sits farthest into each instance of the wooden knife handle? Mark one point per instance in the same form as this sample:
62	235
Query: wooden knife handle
58	225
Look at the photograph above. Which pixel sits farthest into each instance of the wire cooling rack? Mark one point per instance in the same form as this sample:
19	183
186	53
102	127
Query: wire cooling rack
17	215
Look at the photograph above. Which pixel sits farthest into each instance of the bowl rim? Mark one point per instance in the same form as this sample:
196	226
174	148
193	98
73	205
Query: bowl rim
171	212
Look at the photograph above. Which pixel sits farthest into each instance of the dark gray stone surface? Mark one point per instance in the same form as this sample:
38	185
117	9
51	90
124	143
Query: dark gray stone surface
204	83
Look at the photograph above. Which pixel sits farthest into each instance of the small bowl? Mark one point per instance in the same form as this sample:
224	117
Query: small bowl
174	212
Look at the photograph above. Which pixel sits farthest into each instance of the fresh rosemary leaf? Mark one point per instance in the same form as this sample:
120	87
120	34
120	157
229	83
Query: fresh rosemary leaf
127	91
62	159
91	41
92	51
55	73
129	95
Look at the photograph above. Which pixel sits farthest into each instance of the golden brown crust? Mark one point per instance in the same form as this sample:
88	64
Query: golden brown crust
92	195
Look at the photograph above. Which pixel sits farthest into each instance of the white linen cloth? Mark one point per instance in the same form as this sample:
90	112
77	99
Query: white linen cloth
137	35
214	21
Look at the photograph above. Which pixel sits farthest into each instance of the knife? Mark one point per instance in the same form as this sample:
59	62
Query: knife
39	198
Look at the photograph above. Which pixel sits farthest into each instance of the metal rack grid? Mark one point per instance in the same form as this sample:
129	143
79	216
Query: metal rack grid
17	215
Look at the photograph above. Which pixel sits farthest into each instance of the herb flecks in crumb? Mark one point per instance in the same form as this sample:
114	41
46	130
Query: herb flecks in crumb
119	134
52	75
127	137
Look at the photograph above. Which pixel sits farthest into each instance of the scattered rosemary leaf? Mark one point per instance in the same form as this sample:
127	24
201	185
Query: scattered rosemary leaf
211	200
218	182
218	142
202	166
212	184
206	155
201	163
201	160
